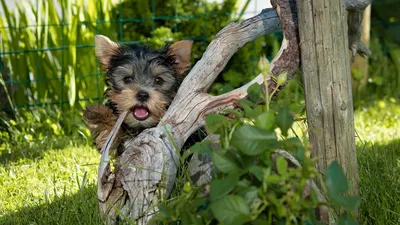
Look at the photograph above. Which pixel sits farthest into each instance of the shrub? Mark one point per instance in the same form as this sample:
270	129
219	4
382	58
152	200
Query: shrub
248	186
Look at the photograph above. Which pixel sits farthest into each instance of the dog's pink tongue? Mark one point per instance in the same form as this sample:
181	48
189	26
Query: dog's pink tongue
141	112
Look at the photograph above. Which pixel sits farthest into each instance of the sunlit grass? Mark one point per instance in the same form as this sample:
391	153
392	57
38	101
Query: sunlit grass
55	186
378	150
377	122
54	181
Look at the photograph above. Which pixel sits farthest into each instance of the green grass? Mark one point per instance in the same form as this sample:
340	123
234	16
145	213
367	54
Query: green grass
378	148
54	182
50	185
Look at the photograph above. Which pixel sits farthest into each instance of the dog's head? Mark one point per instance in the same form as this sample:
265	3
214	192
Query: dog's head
140	79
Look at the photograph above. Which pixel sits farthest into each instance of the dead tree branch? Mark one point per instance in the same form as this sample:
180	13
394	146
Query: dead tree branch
354	22
145	173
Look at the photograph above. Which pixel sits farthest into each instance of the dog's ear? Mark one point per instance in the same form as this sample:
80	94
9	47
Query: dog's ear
105	49
181	52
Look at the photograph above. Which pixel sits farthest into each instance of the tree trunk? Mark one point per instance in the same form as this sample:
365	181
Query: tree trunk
326	72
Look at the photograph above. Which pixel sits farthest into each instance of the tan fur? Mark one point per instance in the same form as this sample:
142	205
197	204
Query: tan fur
126	100
105	49
100	121
182	51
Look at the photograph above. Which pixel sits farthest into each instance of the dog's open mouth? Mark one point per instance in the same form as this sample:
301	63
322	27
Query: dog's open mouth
140	112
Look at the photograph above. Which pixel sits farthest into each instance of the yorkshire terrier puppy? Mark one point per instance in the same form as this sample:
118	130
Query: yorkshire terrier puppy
141	80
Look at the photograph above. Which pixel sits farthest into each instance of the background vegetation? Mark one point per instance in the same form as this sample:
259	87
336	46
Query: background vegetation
49	74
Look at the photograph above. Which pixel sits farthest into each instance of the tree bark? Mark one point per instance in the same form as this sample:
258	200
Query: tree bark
327	79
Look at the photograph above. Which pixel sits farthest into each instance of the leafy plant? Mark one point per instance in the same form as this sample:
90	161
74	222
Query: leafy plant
47	46
32	128
162	21
248	186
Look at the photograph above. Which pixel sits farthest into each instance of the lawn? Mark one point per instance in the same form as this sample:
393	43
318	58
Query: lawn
54	182
50	186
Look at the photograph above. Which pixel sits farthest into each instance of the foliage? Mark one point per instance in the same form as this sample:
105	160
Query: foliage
27	176
51	59
383	78
53	41
37	127
248	187
159	22
375	121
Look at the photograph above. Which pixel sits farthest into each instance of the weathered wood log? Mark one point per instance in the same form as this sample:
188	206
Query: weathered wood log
361	64
327	82
144	174
354	23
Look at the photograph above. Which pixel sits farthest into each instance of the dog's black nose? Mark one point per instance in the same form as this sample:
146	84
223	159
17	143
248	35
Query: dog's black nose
142	96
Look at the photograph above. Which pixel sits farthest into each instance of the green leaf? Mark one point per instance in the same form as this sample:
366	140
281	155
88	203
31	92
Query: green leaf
274	179
216	123
223	163
281	211
259	221
165	211
348	202
284	120
336	184
258	172
336	181
231	210
294	145
188	217
245	162
200	147
221	187
237	113
243	184
247	105
249	195
345	220
266	120
281	166
254	93
296	107
253	140
72	86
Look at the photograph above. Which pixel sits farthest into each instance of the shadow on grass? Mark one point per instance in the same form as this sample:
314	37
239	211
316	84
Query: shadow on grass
379	171
80	208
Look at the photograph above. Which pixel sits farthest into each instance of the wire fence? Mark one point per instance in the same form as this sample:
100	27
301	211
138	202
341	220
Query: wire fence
46	48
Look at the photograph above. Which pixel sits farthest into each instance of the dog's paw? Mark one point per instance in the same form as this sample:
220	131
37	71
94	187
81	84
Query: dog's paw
96	114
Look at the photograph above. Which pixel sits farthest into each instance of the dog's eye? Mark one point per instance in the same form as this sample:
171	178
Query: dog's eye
128	80
158	81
